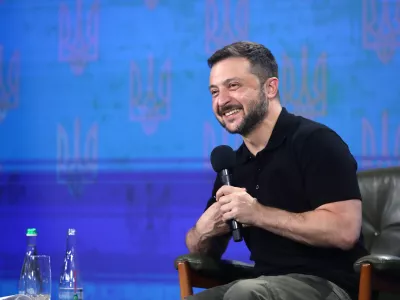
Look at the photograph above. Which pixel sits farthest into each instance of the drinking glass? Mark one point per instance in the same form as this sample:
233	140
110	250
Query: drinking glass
38	284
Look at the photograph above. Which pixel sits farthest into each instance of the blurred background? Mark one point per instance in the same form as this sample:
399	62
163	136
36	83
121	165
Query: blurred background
106	123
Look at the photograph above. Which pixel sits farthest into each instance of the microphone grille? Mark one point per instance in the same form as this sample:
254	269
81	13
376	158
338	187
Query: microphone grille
222	157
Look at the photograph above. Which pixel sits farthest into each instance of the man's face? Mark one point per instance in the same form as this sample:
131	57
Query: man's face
239	101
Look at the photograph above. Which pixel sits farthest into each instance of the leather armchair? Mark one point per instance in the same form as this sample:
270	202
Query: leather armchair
379	271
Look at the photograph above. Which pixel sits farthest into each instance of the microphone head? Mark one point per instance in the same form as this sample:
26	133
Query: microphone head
223	157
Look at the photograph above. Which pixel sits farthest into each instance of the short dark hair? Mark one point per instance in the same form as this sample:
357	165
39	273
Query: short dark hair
262	61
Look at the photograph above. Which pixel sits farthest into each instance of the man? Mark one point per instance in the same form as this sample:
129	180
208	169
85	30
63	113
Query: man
294	187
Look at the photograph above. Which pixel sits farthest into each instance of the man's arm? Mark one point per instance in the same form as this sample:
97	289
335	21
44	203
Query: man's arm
213	246
330	181
331	225
210	235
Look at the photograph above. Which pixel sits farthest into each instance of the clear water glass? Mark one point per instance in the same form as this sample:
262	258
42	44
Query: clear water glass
38	282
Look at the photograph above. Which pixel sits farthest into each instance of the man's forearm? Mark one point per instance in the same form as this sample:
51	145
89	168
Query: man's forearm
196	243
204	244
317	228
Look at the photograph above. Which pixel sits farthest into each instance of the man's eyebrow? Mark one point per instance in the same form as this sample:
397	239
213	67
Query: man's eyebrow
225	82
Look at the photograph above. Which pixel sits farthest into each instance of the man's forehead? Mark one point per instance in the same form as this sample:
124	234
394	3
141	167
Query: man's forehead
231	64
229	68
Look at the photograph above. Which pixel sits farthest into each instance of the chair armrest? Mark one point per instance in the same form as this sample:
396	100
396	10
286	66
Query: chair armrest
223	270
387	264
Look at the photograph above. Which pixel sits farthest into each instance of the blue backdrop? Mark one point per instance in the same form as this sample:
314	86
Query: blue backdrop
106	122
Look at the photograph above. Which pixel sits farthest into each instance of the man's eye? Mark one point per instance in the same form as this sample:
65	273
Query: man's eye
234	85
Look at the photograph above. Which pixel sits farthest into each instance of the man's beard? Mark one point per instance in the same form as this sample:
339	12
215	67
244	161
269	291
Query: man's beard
257	111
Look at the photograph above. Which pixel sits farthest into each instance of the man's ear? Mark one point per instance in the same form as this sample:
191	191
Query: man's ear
271	87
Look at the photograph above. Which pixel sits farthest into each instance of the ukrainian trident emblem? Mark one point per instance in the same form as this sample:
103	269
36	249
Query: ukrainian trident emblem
379	146
227	21
76	163
9	83
150	94
151	4
309	96
380	27
78	35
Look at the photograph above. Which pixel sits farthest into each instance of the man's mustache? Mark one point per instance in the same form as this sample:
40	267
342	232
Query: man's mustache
222	110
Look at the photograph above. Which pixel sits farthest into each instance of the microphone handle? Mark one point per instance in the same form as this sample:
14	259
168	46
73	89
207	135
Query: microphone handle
235	226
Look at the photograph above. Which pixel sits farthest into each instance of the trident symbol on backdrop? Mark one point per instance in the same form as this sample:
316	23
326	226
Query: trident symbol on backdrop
221	27
80	168
150	95
309	96
380	144
381	31
78	41
9	83
150	4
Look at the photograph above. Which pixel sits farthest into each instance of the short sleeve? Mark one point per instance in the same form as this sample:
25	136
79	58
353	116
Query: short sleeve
329	169
217	185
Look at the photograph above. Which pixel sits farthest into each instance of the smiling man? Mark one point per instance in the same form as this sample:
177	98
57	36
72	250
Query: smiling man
294	187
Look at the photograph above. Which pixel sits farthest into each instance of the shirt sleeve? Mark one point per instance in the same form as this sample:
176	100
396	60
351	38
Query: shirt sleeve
329	169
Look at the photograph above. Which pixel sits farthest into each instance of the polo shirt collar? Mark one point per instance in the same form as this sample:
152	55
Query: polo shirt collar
282	128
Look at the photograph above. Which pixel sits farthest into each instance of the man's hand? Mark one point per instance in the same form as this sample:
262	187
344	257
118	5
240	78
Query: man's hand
237	204
211	222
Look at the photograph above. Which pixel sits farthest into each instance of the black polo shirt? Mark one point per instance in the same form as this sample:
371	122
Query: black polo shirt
304	165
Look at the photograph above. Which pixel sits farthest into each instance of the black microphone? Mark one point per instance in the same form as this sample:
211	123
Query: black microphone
223	159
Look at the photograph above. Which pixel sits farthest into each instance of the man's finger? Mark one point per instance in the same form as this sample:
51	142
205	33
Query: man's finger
225	199
228	216
227	190
227	206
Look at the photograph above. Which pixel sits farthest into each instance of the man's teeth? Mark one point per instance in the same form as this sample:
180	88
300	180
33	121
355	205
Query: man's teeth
231	112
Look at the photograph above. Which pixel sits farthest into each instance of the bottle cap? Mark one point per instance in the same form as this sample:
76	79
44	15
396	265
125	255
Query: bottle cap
71	231
31	232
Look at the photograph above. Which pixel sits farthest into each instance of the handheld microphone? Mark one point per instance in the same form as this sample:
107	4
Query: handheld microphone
223	158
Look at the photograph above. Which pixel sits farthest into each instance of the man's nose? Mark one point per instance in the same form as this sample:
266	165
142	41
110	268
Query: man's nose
223	98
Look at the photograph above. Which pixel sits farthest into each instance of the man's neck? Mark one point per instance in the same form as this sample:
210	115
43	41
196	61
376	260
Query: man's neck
258	139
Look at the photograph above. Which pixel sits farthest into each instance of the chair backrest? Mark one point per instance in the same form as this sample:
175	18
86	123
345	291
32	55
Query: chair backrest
380	190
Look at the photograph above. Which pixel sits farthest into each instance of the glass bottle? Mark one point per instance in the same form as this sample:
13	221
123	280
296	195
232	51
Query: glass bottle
29	276
70	287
